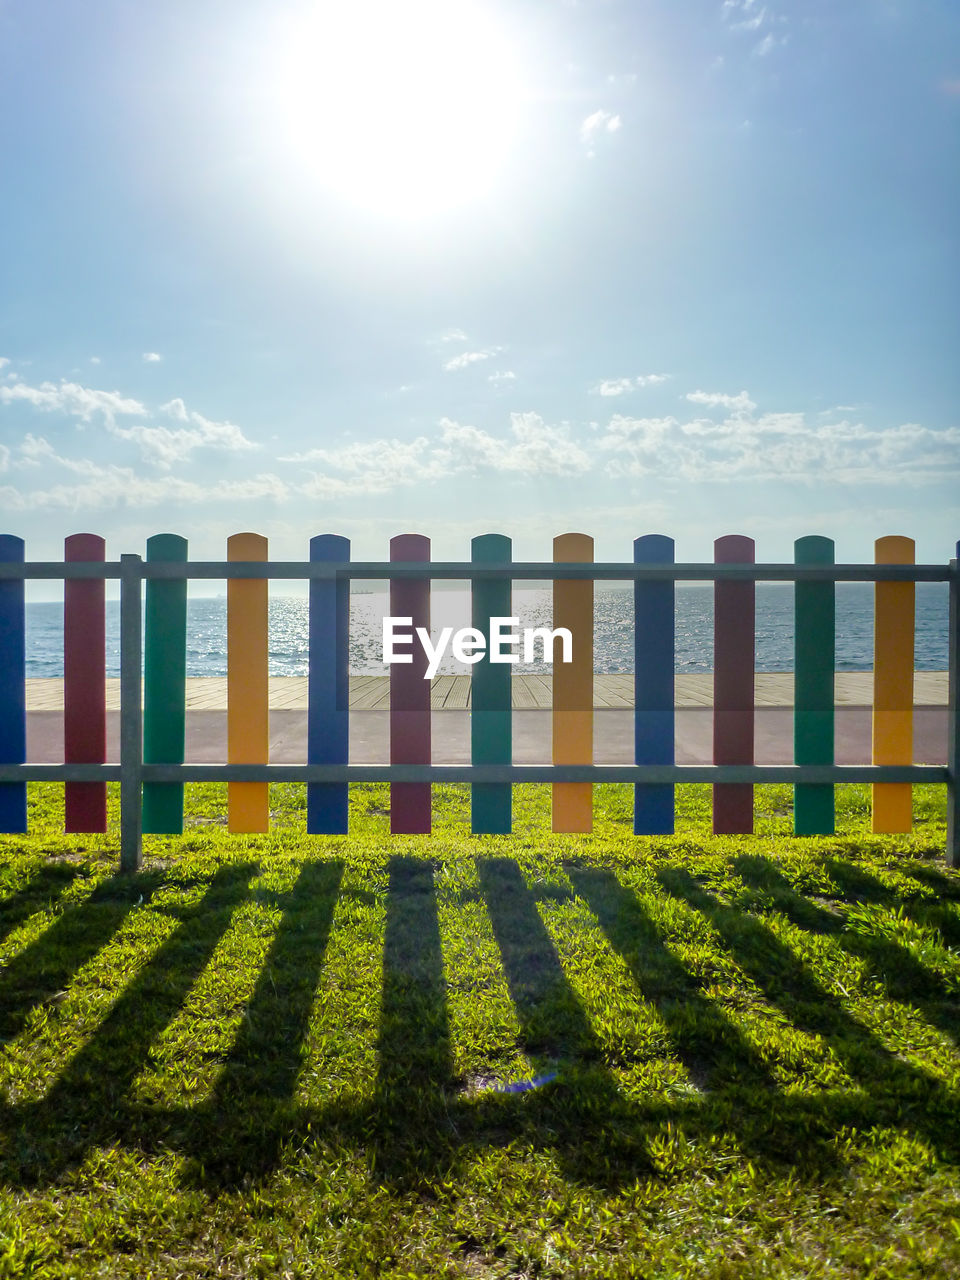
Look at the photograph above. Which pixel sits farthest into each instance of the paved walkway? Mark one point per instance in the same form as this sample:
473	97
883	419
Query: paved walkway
530	692
613	725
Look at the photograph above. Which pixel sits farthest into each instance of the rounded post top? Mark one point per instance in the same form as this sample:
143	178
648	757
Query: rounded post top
491	546
410	546
166	546
11	547
734	548
246	546
814	549
84	546
653	548
895	549
329	546
573	547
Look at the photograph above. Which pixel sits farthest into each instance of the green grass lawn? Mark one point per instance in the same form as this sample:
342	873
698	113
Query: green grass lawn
287	1056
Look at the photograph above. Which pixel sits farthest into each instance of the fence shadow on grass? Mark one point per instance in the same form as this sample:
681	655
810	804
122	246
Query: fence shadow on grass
253	1111
420	1123
903	977
737	1090
890	1090
413	1131
41	890
90	1102
49	963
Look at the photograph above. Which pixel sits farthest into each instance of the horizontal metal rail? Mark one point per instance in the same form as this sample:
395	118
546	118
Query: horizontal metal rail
445	569
511	773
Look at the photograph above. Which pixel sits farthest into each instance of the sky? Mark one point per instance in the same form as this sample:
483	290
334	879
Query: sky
525	266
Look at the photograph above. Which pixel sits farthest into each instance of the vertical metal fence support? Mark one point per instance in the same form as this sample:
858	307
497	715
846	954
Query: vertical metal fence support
953	719
131	714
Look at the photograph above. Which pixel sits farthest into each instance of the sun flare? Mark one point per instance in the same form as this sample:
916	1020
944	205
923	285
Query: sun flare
402	108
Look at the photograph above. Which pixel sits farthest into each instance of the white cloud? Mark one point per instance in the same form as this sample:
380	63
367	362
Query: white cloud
159	445
152	357
498	379
164	447
597	125
34	450
745	15
467	358
753	22
3	362
779	447
717	398
371	467
114	486
4	458
620	386
614	386
453	335
72	398
532	448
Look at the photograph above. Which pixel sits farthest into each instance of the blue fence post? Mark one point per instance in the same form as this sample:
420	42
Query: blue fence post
654	681
13	699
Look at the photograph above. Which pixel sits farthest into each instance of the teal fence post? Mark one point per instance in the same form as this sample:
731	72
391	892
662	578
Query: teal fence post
814	665
164	684
491	732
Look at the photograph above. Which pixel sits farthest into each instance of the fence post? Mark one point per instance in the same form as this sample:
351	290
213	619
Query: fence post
953	719
491	726
893	661
13	704
164	685
84	686
654	684
131	715
573	686
328	684
734	662
410	743
248	686
814	641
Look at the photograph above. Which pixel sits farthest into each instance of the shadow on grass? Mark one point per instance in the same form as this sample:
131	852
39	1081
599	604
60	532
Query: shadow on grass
48	964
89	1102
899	1093
420	1125
253	1111
738	1092
858	885
412	1132
41	890
582	1114
903	977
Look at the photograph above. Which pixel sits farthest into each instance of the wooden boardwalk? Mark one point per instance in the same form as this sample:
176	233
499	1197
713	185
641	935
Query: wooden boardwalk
530	692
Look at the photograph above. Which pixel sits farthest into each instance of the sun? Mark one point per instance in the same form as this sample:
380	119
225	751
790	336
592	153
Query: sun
403	107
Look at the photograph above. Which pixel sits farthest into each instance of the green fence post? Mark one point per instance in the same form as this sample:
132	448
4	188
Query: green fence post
814	665
165	685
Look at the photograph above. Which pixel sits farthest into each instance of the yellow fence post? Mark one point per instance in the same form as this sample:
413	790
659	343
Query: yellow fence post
573	685
248	734
893	657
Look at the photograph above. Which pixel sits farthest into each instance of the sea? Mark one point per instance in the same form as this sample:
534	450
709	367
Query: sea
613	629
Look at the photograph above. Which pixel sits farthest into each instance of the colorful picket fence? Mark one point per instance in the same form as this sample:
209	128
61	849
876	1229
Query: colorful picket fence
152	771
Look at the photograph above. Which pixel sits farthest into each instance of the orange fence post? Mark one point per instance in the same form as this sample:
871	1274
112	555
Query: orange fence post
248	734
573	685
893	657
